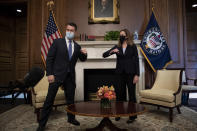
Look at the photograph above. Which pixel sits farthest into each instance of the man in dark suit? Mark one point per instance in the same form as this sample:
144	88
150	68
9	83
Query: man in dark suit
60	67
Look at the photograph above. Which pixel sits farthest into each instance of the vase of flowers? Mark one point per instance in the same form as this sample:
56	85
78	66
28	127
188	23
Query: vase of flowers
106	94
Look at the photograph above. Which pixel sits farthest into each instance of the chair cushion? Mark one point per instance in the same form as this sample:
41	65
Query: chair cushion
41	95
42	85
158	102
158	94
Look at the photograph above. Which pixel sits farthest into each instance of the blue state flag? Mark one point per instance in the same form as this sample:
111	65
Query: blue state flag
154	46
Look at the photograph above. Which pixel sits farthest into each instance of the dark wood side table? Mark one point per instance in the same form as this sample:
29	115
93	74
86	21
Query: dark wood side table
118	109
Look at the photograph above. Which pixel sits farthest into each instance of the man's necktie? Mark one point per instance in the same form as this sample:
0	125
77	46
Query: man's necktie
70	49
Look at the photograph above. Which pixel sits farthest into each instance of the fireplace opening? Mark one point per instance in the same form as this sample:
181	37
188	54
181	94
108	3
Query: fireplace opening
95	78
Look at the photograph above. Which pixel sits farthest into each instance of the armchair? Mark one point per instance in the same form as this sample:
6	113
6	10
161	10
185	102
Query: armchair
39	93
15	88
188	87
166	91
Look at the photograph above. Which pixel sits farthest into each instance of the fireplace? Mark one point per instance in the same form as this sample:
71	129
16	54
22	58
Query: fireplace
95	78
90	74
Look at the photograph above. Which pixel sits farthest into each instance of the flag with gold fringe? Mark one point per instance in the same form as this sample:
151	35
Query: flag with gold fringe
154	46
51	33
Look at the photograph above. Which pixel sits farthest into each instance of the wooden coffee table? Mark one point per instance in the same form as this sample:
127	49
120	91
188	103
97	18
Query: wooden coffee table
118	109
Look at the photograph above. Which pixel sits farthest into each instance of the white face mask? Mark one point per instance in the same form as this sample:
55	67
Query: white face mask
70	35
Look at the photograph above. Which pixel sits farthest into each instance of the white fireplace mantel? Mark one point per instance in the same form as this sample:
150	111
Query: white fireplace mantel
95	60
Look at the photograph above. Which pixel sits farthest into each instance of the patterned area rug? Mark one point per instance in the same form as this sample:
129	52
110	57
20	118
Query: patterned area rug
22	118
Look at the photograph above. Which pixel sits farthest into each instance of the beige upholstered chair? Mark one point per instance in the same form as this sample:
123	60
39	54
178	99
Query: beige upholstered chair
39	94
166	91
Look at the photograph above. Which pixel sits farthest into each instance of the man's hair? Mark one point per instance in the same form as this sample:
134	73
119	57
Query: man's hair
72	24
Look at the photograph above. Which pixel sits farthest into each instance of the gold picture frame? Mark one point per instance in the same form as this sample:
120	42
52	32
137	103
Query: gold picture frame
104	11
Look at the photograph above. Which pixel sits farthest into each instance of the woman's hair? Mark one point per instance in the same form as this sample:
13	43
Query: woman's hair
128	36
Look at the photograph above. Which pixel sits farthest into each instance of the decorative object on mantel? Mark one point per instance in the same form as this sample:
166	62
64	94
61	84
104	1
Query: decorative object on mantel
135	35
112	35
106	94
84	37
91	38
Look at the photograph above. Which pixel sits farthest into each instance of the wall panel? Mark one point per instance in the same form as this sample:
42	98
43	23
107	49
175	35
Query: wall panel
21	48
175	31
191	44
6	49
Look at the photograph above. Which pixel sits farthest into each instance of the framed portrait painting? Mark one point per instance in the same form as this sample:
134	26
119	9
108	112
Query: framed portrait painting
103	11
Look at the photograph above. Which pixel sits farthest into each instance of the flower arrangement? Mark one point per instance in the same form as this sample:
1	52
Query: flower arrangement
106	92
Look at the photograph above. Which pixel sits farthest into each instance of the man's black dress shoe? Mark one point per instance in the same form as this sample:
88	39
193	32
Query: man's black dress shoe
40	128
131	119
74	122
117	118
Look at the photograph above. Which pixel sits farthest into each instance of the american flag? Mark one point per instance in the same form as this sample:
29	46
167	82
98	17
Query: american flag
51	33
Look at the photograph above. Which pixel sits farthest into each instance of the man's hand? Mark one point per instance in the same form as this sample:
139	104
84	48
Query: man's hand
135	79
84	51
51	78
114	51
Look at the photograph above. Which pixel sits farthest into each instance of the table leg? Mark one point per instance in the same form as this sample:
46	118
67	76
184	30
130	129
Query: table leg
105	122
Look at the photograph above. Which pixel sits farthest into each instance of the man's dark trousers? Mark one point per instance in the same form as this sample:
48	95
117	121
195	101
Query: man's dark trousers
69	91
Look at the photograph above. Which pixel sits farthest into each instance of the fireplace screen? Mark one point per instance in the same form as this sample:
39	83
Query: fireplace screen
95	78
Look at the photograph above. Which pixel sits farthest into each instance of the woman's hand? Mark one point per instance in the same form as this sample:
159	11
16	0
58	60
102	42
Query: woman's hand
114	51
135	79
51	78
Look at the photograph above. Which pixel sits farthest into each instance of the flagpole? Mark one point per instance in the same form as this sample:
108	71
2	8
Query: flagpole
153	7
153	4
45	47
50	5
154	58
170	62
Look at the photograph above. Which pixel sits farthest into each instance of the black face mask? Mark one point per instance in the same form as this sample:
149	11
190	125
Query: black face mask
122	39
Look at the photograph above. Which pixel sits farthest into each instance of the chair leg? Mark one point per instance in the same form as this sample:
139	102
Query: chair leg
171	114
13	101
29	98
178	109
35	110
38	114
25	97
187	99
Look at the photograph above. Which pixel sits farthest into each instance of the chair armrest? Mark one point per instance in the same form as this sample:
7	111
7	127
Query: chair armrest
33	91
191	79
178	91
